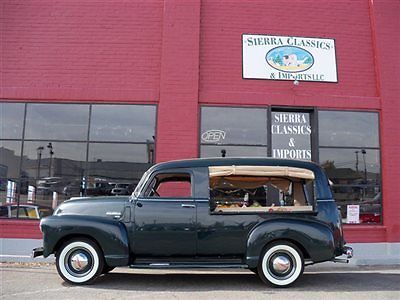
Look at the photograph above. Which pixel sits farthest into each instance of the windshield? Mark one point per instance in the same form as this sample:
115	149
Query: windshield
140	184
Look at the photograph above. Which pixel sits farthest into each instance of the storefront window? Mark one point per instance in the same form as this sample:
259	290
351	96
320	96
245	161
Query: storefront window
122	123
348	129
57	121
349	152
62	159
12	119
233	131
116	168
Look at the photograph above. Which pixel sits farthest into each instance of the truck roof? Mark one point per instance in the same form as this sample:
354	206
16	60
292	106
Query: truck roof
320	176
228	161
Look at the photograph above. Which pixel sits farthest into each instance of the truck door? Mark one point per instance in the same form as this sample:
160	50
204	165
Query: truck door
165	216
219	235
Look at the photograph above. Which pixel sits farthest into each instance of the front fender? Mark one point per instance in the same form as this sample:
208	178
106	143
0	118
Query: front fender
316	238
111	235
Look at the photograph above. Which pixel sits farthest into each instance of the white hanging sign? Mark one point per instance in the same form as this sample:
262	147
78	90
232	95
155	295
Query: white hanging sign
288	58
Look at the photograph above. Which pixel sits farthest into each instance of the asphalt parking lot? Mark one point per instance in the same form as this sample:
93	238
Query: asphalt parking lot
40	281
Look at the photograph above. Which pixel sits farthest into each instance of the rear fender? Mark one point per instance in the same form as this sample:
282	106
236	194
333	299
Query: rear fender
111	235
315	238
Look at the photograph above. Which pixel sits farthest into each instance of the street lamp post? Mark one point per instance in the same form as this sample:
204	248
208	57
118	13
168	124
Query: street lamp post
51	152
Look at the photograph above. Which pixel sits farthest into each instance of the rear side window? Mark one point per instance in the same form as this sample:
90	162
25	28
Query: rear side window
256	190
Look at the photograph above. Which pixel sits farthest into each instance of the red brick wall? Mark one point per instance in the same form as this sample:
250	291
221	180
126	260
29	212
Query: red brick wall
386	30
178	107
81	50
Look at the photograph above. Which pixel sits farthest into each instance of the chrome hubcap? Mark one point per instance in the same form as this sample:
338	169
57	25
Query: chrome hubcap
281	264
79	261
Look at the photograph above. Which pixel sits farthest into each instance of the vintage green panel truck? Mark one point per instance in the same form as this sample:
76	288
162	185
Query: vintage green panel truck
271	216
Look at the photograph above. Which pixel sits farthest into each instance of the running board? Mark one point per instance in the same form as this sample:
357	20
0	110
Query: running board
187	266
341	260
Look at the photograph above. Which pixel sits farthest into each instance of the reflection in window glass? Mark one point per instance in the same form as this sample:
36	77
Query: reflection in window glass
12	119
125	123
232	151
349	163
57	121
115	169
9	190
228	125
10	154
356	180
52	172
352	129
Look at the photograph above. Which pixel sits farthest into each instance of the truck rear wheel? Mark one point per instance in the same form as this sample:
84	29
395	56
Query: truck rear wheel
281	264
79	261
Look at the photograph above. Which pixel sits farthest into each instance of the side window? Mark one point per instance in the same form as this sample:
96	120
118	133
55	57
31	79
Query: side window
21	212
32	213
170	185
254	189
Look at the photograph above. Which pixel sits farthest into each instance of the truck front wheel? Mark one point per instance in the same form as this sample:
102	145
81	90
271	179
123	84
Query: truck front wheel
79	261
281	264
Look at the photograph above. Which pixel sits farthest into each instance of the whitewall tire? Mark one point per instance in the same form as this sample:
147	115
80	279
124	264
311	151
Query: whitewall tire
79	261
281	264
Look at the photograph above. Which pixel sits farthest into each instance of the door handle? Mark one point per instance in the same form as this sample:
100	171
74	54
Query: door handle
139	204
188	205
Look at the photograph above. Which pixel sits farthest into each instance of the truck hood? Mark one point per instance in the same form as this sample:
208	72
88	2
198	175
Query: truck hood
93	206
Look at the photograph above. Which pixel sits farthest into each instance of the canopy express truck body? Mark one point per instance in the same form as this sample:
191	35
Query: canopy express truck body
271	216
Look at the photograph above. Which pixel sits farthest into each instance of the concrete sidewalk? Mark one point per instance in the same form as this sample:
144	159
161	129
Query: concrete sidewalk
19	250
